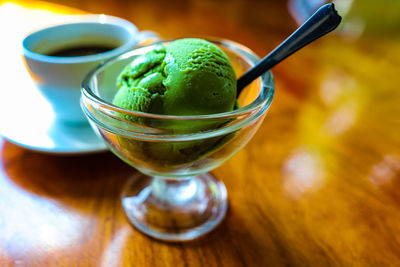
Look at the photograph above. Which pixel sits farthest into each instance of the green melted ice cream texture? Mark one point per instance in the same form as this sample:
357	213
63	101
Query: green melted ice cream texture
184	77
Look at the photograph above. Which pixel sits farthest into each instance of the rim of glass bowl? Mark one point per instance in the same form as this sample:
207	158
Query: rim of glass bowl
255	108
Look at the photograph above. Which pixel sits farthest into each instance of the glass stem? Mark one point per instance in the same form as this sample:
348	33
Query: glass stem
175	191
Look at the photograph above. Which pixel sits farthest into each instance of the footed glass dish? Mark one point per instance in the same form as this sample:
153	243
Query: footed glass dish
174	197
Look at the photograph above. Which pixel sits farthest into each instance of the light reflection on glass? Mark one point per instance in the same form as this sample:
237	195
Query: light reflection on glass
384	171
303	171
103	18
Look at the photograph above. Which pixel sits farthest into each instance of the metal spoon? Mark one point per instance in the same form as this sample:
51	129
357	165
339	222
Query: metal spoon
323	21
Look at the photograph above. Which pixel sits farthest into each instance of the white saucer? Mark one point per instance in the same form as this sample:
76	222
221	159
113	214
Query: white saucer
57	138
27	120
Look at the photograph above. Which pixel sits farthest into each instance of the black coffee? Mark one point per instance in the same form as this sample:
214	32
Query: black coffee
79	51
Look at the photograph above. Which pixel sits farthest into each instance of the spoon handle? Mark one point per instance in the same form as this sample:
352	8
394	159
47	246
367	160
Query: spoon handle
324	20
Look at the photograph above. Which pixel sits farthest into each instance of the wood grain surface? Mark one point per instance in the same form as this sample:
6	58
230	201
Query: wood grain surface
316	186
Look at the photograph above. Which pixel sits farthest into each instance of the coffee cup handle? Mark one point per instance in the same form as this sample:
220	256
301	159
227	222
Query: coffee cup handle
147	37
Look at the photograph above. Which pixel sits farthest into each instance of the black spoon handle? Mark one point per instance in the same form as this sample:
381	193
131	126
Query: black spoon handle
323	21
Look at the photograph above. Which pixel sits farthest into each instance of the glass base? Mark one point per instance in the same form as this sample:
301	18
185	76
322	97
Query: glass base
175	209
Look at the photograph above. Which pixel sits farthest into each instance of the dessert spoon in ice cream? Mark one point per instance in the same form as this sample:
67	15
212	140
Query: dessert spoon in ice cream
323	21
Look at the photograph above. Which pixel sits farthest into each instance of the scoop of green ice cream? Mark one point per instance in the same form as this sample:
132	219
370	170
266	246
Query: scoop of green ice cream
184	77
141	83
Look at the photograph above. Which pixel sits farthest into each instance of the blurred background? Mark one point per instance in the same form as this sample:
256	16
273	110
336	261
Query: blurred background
316	186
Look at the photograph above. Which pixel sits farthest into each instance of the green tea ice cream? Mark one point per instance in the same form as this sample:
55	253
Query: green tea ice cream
184	77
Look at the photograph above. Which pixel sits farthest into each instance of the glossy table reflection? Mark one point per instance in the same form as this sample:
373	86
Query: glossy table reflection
316	186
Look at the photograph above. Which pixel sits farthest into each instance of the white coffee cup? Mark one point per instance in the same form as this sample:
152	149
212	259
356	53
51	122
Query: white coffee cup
59	77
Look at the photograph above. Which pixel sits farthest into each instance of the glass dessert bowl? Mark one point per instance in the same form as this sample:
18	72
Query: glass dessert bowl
174	198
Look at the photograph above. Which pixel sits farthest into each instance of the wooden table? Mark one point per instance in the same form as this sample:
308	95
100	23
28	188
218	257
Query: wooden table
318	185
